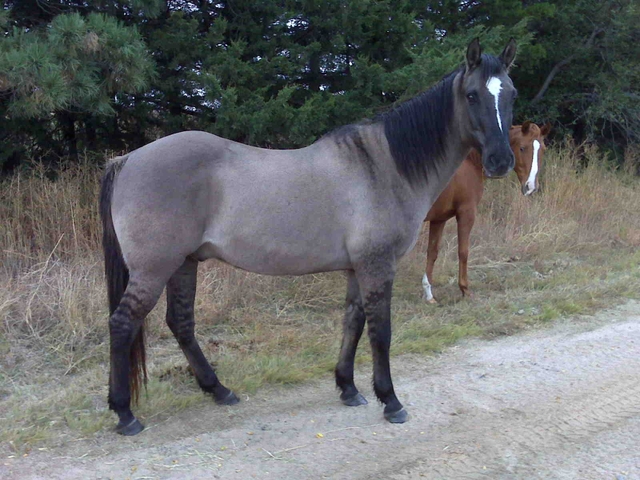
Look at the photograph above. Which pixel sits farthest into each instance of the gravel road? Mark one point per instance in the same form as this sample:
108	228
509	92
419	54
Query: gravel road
557	403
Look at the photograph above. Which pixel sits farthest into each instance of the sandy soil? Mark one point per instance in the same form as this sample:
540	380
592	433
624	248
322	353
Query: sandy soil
557	403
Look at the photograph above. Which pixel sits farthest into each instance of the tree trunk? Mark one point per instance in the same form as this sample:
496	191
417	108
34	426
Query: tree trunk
315	77
90	133
558	66
68	126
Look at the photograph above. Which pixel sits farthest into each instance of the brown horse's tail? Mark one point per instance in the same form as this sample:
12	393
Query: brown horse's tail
117	274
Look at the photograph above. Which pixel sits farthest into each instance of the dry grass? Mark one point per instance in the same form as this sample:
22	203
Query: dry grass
593	209
567	251
41	217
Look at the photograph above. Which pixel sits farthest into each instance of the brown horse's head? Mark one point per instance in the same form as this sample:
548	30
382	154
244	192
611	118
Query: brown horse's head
527	143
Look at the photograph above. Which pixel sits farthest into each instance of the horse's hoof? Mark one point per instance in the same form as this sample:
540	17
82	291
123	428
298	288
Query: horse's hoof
431	301
230	399
396	417
133	428
355	401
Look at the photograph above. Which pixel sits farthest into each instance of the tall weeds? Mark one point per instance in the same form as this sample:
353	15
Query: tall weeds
52	295
580	208
43	218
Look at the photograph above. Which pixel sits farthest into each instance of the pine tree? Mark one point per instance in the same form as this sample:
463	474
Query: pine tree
61	75
114	75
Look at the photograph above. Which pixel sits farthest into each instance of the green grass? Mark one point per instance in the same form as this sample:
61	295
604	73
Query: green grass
570	250
290	336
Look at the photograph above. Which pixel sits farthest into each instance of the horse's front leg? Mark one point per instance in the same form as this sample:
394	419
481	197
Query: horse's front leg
465	221
376	283
352	327
435	236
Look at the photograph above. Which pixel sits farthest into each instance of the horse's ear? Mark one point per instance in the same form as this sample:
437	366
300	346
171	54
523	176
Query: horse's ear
474	54
508	55
525	127
546	128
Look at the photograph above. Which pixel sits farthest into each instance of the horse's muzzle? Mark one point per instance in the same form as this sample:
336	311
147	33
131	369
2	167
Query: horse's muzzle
498	165
527	189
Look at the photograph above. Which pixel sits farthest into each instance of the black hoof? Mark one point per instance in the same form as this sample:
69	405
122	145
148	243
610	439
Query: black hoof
133	428
355	400
230	399
399	416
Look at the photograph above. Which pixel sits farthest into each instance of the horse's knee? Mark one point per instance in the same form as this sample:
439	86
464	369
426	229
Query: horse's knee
354	315
182	329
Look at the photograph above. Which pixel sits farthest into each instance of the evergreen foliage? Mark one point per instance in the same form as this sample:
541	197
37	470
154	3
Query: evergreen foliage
102	75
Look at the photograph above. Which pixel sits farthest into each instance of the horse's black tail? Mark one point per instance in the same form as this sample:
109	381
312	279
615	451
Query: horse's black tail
117	274
115	269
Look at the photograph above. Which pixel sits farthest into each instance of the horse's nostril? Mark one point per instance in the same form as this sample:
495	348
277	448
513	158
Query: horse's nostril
528	189
494	161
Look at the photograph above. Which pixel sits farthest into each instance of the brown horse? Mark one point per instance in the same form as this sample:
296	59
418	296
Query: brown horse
461	197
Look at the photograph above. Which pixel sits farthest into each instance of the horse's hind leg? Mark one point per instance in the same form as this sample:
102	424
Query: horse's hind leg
127	348
352	327
181	291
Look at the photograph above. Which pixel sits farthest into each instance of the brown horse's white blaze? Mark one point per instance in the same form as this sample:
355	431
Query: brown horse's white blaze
531	184
461	197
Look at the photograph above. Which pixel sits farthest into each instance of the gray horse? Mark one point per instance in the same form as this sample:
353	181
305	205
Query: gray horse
354	200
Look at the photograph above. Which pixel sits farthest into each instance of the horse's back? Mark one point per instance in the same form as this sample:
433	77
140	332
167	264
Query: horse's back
267	211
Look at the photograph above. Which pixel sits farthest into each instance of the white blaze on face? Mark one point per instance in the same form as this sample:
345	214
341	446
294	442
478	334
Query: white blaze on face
531	181
494	85
427	288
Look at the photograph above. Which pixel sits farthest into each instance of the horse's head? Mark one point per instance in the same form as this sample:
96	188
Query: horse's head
484	99
527	142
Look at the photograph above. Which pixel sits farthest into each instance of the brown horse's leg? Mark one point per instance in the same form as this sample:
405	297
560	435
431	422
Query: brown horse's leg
139	298
352	327
181	292
465	221
435	235
376	283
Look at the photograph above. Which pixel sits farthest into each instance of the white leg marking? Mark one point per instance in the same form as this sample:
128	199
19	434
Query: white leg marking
427	288
531	181
494	85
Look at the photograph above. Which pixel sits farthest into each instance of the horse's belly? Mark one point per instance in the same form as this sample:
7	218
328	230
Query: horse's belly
277	255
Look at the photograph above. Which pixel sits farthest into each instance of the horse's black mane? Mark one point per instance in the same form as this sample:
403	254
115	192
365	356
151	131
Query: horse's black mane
416	129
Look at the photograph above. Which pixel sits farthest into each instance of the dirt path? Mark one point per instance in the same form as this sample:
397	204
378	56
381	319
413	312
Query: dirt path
560	403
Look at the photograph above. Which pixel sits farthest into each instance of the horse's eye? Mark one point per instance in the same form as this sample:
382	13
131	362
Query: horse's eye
472	97
522	149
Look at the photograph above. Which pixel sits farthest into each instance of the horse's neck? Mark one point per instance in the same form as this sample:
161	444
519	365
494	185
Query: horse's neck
456	150
428	193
